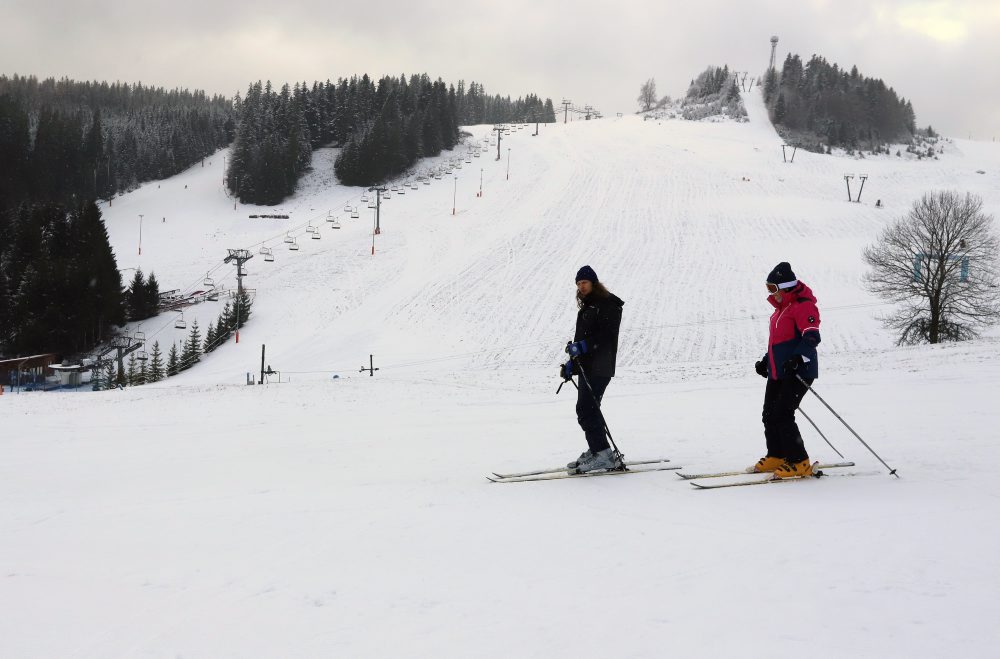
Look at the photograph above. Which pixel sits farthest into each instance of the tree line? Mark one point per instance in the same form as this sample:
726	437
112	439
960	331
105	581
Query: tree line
63	145
66	141
824	104
383	128
60	289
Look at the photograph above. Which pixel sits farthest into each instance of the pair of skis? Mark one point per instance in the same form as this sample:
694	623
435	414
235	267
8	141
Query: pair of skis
714	481
559	473
701	481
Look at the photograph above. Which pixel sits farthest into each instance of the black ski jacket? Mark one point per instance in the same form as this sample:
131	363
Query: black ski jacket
597	323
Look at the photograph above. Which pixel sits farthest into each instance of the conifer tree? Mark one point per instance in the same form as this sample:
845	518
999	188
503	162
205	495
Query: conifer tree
131	374
192	347
172	361
156	363
109	375
209	345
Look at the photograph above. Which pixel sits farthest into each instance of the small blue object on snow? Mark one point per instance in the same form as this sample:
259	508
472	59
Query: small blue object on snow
577	348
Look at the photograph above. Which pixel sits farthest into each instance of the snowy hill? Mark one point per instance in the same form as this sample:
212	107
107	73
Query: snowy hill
200	517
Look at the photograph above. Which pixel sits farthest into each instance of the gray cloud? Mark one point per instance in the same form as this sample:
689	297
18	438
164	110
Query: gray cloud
936	54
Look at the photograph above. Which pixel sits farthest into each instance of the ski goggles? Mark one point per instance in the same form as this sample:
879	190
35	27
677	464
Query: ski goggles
772	288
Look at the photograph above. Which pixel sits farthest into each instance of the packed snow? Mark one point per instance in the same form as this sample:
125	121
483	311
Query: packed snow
350	516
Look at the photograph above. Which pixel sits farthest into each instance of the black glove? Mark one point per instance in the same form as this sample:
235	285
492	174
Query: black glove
761	367
566	371
792	365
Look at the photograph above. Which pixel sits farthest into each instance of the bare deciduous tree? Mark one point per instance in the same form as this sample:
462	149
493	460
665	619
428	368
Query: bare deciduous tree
939	263
647	94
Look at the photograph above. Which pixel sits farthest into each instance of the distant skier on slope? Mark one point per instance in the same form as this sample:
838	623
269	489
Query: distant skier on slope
595	347
791	351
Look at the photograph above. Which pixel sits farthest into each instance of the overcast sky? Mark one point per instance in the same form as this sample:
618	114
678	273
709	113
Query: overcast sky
940	55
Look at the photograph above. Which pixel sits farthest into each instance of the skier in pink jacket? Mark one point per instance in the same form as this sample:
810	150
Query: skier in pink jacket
791	354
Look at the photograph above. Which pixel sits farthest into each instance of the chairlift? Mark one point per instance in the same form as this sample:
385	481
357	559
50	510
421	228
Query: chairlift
289	239
179	323
372	204
268	255
364	198
427	181
294	246
476	154
402	190
331	219
316	235
354	213
310	229
386	195
209	282
213	296
413	186
335	224
347	208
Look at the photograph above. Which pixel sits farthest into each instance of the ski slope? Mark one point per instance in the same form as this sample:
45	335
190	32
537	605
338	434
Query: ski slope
350	516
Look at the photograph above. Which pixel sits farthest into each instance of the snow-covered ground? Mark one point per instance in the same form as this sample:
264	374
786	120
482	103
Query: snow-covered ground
350	516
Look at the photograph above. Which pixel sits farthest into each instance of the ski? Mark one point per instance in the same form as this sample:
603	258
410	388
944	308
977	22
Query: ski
655	465
719	474
556	470
762	479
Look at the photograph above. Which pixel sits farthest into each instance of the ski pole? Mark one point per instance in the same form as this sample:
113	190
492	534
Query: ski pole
801	411
892	471
583	376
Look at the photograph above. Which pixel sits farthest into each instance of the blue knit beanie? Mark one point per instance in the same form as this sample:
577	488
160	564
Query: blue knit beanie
586	273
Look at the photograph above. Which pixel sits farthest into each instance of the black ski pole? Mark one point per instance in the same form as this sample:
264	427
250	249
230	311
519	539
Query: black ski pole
813	423
583	376
891	470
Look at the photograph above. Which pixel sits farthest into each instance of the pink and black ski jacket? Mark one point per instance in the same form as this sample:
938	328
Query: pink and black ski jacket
794	330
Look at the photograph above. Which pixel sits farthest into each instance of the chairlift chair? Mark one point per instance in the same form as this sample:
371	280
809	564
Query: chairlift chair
427	181
387	195
354	213
289	239
209	282
294	246
364	198
372	204
413	186
335	225
213	296
310	229
268	255
402	190
316	235
347	208
179	323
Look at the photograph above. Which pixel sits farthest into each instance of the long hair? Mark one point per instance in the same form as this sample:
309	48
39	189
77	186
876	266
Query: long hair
598	292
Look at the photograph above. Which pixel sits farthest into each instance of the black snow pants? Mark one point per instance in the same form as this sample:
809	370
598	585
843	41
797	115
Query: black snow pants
781	399
588	412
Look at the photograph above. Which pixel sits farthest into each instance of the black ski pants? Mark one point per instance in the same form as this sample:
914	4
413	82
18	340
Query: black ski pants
588	411
781	399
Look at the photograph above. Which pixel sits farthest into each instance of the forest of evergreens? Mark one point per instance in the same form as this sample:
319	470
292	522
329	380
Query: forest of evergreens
383	126
820	104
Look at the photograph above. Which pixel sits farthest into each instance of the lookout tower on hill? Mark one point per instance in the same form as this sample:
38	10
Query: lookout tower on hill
774	46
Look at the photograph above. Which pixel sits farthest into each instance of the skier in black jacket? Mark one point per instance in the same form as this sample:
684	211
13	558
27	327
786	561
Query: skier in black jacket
595	345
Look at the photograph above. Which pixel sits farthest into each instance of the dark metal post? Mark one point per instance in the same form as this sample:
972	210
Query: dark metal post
262	346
